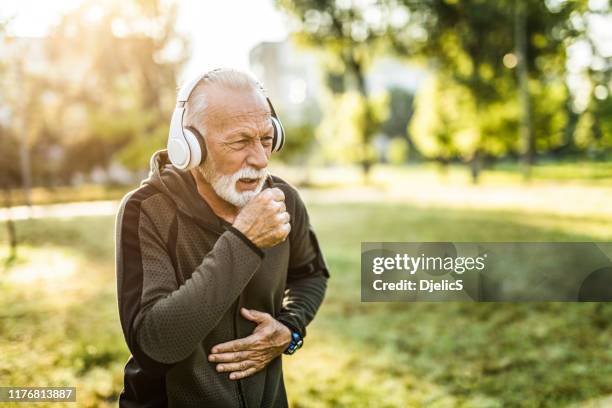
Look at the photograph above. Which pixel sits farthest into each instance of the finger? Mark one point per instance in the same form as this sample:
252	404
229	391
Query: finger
239	366
248	314
279	206
283	217
268	193
256	315
229	357
286	228
245	343
242	374
277	194
282	231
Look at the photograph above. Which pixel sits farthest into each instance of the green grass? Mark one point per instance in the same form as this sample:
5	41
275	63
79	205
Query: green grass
569	170
66	194
585	173
59	326
508	173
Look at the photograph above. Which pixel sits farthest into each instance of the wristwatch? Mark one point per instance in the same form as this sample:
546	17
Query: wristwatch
296	343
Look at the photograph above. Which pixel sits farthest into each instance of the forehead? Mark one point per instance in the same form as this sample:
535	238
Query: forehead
232	108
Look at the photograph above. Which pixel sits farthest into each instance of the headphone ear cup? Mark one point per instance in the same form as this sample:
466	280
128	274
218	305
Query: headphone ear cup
195	147
178	152
279	134
198	136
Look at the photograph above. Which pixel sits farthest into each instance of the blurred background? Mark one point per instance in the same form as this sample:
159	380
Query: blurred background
437	120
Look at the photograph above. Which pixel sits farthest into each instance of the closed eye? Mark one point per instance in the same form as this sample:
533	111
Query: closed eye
267	141
238	144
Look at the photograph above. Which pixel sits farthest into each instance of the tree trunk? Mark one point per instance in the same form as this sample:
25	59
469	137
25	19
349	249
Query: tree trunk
475	166
572	122
10	227
526	130
443	165
24	151
357	70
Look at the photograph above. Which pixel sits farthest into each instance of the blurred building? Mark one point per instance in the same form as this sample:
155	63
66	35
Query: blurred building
294	80
388	72
293	77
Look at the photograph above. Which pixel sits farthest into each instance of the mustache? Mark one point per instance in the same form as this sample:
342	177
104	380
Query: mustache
251	172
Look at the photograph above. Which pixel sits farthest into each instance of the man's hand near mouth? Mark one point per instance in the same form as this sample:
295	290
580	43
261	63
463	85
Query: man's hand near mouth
265	220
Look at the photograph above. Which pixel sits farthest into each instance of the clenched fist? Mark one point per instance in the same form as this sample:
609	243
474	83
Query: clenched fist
265	220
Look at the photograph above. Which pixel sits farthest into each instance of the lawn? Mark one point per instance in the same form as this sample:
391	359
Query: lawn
59	326
587	173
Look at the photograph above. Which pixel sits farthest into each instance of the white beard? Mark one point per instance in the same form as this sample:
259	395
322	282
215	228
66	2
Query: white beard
225	185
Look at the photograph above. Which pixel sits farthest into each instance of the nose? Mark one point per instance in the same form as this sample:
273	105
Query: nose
258	156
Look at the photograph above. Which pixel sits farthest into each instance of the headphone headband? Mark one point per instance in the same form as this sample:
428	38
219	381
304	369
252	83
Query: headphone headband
188	87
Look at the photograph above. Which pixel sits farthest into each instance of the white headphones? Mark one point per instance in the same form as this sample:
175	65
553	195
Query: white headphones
186	147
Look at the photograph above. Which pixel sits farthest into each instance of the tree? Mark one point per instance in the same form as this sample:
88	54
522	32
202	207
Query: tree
472	42
10	178
349	35
10	174
112	84
400	113
342	131
594	123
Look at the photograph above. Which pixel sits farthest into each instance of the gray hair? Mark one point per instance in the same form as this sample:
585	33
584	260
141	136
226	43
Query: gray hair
227	77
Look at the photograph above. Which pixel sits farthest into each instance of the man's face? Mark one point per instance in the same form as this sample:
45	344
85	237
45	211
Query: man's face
239	141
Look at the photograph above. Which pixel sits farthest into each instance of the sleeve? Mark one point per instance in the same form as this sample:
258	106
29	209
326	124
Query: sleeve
163	322
307	275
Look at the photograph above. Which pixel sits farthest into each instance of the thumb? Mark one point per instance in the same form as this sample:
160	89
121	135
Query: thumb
253	315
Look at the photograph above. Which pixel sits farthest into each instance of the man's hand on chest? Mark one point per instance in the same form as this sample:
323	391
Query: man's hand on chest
246	356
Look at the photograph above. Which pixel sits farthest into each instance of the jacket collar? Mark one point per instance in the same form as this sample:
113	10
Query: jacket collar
181	188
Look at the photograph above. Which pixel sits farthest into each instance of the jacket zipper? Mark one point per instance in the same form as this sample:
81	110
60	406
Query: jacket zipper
243	403
240	390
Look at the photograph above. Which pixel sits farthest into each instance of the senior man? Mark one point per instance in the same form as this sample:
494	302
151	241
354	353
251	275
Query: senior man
218	269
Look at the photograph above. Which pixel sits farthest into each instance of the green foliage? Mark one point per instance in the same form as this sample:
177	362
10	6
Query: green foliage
346	130
129	103
299	143
472	45
110	91
344	31
549	116
398	150
349	41
445	120
594	130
